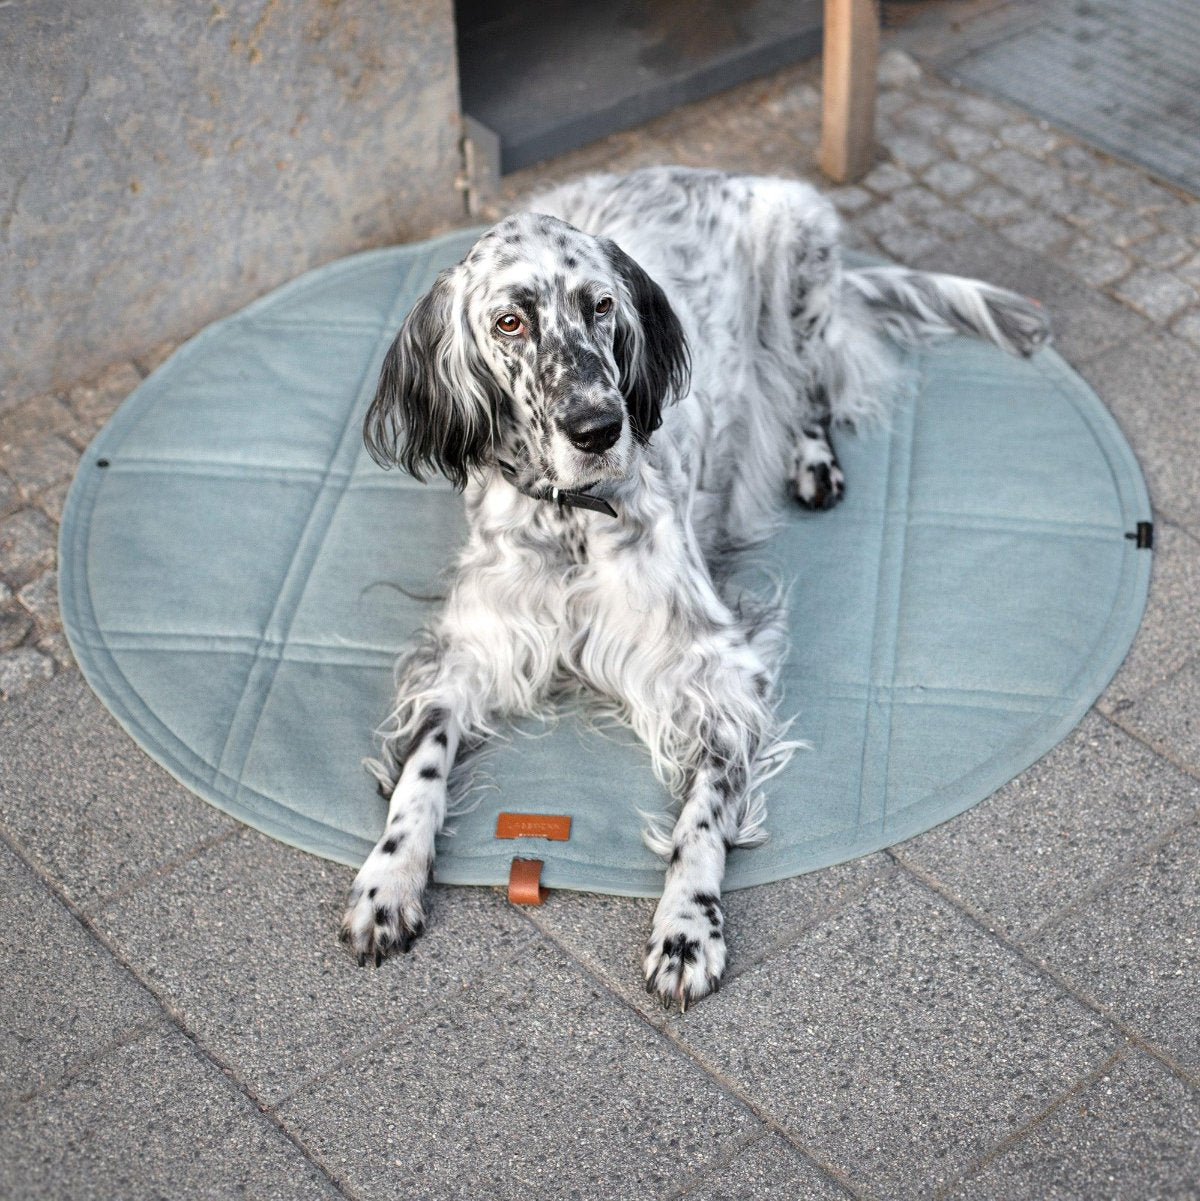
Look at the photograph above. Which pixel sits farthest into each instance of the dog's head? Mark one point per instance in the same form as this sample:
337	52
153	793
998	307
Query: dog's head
546	352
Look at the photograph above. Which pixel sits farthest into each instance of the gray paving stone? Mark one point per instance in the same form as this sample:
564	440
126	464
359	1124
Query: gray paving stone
1188	327
915	201
52	500
1094	262
1021	173
951	178
968	141
150	1120
609	933
41	599
910	151
10	497
881	219
14	625
933	90
150	360
769	1168
1169	715
1081	162
27	545
22	670
1170	631
887	178
1084	322
40	462
57	647
31	419
1134	1133
906	244
801	100
897	1042
84	801
850	199
1189	271
1079	206
994	203
1134	948
1158	294
1030	137
890	104
1124	228
896	69
1183	217
95	400
1038	232
1162	250
1131	187
255	911
1044	839
922	118
980	111
1152	385
536	1083
65	999
951	223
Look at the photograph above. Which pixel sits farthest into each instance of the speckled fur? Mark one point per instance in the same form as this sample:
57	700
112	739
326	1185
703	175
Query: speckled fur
736	339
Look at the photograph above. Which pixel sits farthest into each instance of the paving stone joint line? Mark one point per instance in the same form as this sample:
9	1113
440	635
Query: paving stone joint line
215	1061
1030	960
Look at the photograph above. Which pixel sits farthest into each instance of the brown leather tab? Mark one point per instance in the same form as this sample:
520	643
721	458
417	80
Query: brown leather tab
525	882
533	825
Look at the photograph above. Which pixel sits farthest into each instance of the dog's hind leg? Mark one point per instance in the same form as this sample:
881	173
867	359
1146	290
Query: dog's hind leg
816	480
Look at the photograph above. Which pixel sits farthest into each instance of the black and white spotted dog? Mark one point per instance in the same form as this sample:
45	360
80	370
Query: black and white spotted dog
622	380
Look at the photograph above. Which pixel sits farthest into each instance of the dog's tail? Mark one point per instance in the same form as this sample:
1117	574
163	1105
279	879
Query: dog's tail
914	306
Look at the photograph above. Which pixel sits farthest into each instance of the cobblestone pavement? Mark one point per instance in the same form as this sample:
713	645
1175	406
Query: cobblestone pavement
1006	1006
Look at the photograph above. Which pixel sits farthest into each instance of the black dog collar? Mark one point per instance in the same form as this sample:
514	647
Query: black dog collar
563	498
581	500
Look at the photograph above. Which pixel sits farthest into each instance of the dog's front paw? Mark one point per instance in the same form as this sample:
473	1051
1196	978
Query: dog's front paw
384	911
818	485
685	956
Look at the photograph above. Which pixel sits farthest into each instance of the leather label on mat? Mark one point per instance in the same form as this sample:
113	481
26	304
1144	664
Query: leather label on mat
525	882
533	825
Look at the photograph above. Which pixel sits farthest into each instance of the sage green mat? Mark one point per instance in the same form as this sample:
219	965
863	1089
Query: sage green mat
228	556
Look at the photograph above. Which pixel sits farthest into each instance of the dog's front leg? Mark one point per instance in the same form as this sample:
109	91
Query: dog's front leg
482	659
725	720
685	955
385	909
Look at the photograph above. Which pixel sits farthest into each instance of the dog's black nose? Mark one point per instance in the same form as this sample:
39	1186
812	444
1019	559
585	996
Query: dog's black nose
593	433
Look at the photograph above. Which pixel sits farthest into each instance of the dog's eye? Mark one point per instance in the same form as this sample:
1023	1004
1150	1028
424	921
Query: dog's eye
603	306
509	324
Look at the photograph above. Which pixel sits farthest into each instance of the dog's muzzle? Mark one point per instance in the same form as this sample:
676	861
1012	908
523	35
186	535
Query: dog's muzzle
593	432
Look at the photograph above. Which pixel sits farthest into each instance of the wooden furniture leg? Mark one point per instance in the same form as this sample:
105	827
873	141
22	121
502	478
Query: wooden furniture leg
848	107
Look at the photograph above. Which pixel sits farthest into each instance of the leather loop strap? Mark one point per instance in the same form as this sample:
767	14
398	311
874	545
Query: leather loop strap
525	882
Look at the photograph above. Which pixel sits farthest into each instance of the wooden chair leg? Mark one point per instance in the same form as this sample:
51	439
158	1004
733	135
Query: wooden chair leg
848	108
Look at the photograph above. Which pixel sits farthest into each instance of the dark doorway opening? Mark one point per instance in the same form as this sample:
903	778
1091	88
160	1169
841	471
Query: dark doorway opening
546	77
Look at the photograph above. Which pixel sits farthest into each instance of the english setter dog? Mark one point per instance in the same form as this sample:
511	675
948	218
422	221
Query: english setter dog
622	380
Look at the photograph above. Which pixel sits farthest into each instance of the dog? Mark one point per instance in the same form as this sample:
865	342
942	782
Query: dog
626	381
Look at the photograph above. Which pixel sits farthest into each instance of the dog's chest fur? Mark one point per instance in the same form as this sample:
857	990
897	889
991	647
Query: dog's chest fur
566	531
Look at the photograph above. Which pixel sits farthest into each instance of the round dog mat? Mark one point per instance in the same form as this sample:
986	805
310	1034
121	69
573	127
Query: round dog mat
237	578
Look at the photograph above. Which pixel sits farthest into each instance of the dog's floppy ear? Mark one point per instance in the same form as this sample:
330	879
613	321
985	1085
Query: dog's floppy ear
435	407
650	348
